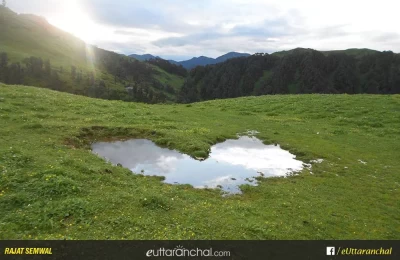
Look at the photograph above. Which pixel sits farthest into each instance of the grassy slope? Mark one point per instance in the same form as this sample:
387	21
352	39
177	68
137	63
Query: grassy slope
30	35
173	80
50	189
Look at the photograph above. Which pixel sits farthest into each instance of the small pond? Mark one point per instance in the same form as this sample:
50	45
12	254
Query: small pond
231	163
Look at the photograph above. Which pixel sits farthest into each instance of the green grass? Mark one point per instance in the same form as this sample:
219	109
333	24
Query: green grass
53	187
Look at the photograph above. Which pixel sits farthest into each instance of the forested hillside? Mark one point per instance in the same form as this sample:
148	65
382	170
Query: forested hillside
168	66
33	52
295	72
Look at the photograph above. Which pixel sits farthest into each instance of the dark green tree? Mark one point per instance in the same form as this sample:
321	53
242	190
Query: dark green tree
73	72
3	59
47	67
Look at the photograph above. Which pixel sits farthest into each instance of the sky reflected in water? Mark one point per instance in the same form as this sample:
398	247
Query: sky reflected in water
231	163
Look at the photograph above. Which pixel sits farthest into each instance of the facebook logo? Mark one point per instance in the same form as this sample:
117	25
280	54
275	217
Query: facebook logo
330	250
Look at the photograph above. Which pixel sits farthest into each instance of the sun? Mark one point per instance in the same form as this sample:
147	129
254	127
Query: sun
75	20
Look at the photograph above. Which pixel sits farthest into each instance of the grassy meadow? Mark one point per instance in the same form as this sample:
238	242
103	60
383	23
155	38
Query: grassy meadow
53	187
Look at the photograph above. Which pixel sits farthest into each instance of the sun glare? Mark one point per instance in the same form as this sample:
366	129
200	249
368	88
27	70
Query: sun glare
74	20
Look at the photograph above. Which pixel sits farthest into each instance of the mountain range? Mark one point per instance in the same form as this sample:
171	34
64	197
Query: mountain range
195	61
35	53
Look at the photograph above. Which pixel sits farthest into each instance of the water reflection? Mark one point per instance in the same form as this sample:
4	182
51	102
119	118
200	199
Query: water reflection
231	163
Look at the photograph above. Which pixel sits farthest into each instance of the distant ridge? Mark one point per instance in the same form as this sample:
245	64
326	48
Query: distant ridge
143	57
195	61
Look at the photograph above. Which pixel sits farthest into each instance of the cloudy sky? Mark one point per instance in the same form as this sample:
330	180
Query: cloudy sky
181	29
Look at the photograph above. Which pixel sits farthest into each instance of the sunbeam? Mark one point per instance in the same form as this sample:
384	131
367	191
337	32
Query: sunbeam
90	58
75	20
